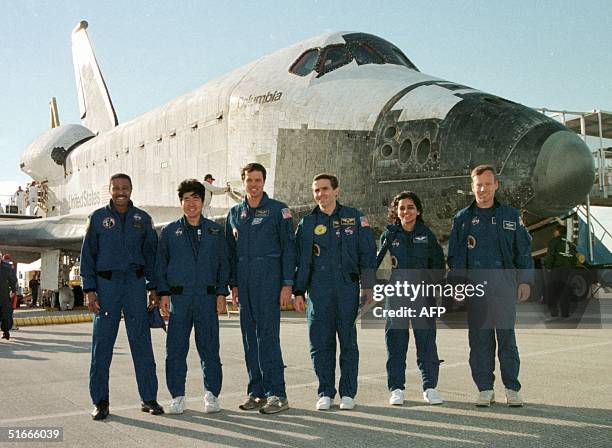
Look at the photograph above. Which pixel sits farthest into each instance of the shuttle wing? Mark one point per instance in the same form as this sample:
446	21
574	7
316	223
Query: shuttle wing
25	240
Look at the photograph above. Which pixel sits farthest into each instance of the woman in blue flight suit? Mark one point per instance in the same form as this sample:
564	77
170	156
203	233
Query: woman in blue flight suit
415	257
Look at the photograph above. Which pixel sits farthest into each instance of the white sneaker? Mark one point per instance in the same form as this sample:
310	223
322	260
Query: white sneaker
211	403
177	406
485	398
397	397
324	403
513	398
347	403
432	396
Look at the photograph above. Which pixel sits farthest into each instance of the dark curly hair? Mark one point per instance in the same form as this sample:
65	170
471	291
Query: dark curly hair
191	186
392	217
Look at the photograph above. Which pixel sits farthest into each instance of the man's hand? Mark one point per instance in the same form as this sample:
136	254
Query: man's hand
153	300
221	304
299	304
524	291
235	300
92	302
285	295
164	305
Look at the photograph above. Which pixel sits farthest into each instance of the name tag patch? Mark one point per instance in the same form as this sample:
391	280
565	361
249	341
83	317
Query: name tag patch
509	225
212	231
263	212
256	221
420	239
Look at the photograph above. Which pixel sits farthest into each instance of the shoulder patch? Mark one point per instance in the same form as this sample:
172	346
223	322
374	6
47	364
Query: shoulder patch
364	221
108	222
286	212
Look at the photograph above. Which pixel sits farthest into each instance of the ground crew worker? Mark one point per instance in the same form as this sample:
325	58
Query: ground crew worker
260	235
336	249
117	267
192	273
489	243
560	259
416	257
210	190
8	284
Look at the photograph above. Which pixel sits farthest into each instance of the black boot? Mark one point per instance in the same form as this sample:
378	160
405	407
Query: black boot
152	407
6	335
101	410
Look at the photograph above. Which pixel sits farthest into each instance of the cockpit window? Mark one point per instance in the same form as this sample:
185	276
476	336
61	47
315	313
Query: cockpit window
365	55
363	48
389	52
334	57
306	63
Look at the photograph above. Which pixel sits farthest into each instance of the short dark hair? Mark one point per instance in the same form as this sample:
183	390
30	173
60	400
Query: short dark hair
209	176
561	229
191	186
392	215
253	166
119	176
477	171
330	177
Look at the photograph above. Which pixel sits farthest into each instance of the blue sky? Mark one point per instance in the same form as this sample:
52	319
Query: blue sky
552	54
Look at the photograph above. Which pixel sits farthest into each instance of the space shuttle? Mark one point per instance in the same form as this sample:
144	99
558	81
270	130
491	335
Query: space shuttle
348	103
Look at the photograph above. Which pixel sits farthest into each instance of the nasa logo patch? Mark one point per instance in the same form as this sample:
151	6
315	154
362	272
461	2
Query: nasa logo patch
108	222
179	231
475	220
395	243
349	230
137	221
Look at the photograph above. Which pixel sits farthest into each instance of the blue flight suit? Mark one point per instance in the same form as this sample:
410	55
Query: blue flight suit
118	262
262	260
334	252
493	246
416	256
192	267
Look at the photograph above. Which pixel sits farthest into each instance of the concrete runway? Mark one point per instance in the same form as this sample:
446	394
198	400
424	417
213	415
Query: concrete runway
566	376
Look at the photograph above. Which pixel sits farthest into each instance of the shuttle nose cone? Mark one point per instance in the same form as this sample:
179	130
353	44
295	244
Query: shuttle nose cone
563	175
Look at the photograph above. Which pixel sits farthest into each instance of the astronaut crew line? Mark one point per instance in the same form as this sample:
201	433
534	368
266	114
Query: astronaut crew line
329	265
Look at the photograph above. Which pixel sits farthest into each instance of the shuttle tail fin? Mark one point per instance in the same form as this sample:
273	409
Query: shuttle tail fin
95	105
